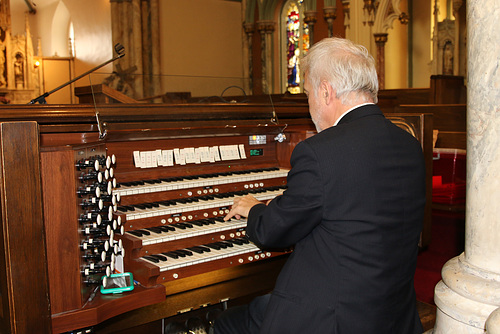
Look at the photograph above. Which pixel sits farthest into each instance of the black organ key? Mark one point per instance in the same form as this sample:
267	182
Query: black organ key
159	257
154	229
144	232
178	253
136	233
185	252
236	241
214	246
198	249
151	258
171	254
178	225
206	249
152	181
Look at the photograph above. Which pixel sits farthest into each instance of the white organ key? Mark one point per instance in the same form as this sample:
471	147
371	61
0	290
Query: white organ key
194	231
207	257
183	208
209	181
196	258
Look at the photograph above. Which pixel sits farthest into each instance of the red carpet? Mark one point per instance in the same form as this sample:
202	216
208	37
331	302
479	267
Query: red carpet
447	241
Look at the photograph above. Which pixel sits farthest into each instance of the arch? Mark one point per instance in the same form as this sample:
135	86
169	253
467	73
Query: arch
269	9
60	27
387	12
309	5
250	11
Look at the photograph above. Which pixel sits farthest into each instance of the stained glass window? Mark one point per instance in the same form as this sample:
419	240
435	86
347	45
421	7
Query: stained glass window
297	44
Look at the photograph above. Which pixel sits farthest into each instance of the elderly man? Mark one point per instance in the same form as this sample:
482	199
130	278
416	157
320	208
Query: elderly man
353	211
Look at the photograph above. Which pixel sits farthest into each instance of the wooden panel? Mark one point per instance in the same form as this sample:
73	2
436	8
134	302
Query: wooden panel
447	117
60	212
450	120
24	279
101	94
447	89
104	307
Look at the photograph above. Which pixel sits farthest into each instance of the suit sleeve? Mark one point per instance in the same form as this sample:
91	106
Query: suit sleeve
292	216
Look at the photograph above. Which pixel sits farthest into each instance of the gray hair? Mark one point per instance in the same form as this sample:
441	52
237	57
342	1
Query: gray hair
348	67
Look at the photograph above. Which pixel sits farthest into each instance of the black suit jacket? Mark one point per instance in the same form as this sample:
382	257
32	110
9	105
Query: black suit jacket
353	210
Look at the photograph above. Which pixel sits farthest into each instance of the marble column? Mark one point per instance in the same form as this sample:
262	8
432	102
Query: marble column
127	30
469	292
330	14
346	6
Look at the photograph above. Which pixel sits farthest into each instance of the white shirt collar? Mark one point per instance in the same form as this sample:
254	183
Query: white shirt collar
359	105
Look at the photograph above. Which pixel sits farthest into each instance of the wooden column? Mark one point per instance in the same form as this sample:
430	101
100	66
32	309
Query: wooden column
380	40
25	306
249	30
266	29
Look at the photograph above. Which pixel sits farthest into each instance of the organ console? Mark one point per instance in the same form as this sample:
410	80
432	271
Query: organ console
148	199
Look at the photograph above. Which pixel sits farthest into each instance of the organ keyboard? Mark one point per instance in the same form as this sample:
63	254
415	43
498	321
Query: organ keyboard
179	214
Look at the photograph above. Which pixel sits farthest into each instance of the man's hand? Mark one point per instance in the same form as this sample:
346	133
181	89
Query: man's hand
241	207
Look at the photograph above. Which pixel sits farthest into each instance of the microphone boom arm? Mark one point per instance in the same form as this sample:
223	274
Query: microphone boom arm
41	99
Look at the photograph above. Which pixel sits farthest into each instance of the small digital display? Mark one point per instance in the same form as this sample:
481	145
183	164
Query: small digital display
256	152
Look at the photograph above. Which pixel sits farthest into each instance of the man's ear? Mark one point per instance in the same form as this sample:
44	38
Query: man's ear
326	91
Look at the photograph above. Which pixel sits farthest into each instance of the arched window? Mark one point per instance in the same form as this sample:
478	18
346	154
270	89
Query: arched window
295	43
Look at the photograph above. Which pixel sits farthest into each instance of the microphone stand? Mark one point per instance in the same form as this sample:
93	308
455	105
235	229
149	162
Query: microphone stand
120	50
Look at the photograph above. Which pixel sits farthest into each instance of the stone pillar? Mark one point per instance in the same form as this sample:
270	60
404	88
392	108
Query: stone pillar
310	19
330	14
248	47
346	6
456	52
380	40
127	30
266	29
151	48
470	290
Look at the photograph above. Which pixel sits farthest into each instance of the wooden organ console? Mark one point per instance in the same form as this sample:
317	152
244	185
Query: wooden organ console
147	198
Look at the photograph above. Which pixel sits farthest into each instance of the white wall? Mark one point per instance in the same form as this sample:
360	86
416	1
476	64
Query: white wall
50	25
201	46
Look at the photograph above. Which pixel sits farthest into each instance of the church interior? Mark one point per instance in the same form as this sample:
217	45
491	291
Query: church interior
172	89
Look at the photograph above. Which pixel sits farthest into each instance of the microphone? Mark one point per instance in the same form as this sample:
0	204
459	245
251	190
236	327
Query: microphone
120	50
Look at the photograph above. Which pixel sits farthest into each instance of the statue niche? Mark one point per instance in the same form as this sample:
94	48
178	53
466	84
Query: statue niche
19	70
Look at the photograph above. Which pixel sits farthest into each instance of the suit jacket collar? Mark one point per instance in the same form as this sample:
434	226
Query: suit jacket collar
359	112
